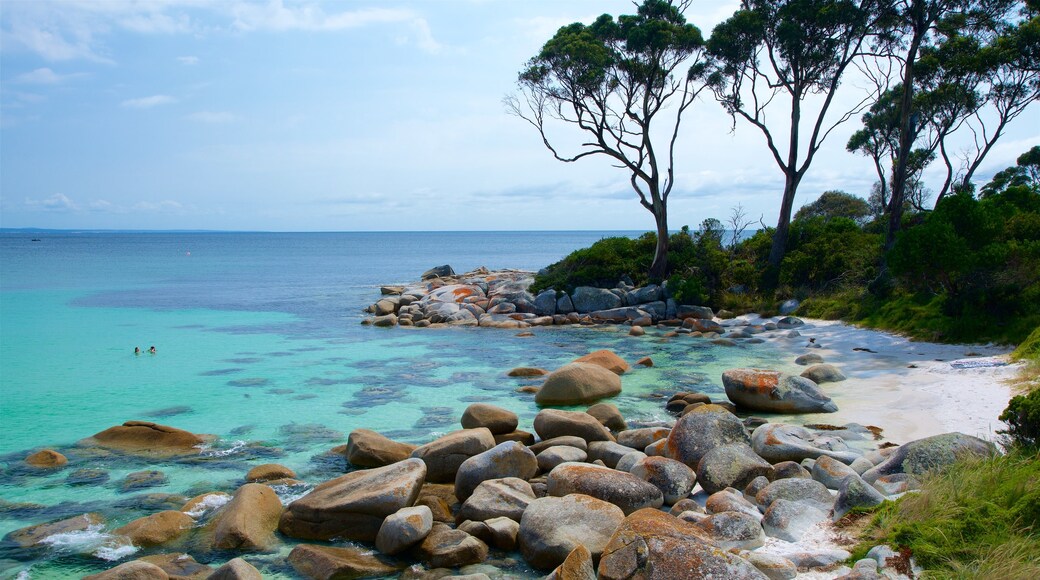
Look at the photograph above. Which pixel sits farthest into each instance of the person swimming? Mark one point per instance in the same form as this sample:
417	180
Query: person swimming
151	350
137	350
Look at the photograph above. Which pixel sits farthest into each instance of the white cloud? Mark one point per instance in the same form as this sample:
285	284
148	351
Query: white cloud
148	102
212	117
44	76
188	60
58	202
164	206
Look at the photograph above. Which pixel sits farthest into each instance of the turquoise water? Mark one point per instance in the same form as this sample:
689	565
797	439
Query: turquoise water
259	342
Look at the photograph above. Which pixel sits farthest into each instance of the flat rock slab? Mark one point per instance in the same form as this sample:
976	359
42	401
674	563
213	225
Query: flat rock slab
328	563
624	490
554	526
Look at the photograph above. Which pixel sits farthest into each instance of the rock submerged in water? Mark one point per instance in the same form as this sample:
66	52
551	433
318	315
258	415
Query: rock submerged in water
775	392
146	438
578	383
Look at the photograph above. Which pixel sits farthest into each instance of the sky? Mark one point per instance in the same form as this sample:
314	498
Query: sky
287	115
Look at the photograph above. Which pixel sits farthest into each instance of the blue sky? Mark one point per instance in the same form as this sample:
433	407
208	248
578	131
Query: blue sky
297	116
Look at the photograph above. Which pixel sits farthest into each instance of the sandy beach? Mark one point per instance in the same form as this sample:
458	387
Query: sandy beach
910	389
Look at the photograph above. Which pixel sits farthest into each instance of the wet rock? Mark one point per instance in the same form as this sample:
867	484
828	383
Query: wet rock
645	362
438	272
895	483
142	479
606	359
448	548
551	423
852	493
403	529
328	563
353	506
133	570
608	415
510	459
788	322
788	520
367	448
703	325
248	521
732	465
554	456
87	476
673	478
775	392
654	545
578	383
552	527
146	438
930	454
179	566
444	455
498	532
734	530
199	505
156	529
236	569
776	442
30	537
621	489
496	419
506	497
702	430
269	472
823	373
47	459
527	372
519	436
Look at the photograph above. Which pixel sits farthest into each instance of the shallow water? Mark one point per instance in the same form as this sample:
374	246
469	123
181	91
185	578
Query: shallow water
259	343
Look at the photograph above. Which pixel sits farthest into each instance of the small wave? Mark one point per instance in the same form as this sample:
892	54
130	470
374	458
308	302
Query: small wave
290	493
24	574
93	541
209	451
208	503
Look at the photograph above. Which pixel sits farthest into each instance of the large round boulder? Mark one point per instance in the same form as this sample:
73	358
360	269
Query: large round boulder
653	545
734	530
852	493
776	442
552	527
588	299
448	548
700	431
353	506
606	359
799	490
624	490
553	423
553	456
236	569
823	373
156	529
444	456
132	570
145	438
403	529
47	459
248	521
509	459
576	384
733	465
367	448
609	416
790	519
930	454
775	392
497	420
640	438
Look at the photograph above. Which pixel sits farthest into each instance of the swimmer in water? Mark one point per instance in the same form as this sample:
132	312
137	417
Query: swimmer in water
137	350
151	350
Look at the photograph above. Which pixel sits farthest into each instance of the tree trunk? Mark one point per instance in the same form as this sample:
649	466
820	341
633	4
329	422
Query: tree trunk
783	224
906	142
659	268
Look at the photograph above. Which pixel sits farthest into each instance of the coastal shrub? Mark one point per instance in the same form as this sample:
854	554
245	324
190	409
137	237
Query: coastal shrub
1022	417
833	204
829	253
980	518
1029	349
601	264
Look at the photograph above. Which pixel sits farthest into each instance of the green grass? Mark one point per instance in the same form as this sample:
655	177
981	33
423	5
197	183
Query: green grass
980	518
1029	349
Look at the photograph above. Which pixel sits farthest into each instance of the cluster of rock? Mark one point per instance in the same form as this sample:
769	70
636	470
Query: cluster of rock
582	496
501	299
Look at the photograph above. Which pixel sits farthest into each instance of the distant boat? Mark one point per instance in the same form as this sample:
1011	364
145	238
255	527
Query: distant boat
36	239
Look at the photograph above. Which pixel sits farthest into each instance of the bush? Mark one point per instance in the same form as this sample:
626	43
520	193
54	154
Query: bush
1022	417
601	264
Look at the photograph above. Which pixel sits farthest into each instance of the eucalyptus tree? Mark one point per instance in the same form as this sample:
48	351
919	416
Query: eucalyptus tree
616	81
965	65
788	57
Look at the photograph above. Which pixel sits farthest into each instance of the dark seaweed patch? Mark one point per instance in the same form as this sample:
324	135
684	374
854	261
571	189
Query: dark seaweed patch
250	382
220	372
169	411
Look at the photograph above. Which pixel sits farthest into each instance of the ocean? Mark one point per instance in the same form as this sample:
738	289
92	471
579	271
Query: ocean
259	341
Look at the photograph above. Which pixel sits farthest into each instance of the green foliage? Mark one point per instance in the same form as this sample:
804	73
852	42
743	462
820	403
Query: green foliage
601	264
1022	417
1029	349
829	254
834	203
980	518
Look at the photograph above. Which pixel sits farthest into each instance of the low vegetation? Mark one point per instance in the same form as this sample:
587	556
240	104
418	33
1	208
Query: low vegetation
967	271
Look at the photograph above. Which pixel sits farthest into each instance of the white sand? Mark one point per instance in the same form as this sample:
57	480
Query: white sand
908	403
